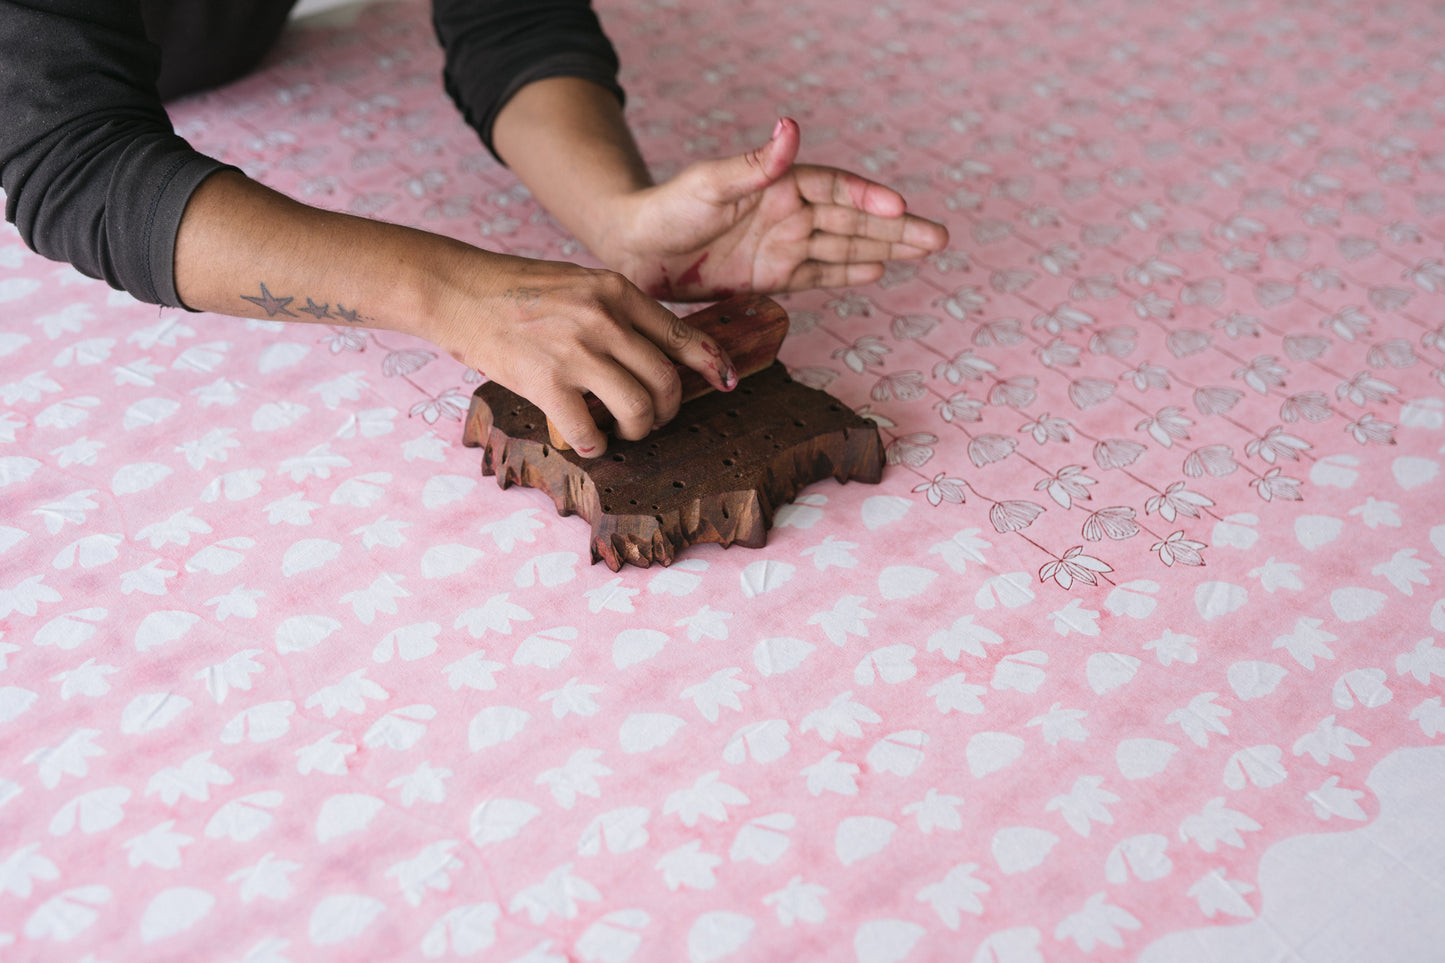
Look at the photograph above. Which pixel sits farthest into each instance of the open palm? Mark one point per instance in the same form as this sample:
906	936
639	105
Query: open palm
759	222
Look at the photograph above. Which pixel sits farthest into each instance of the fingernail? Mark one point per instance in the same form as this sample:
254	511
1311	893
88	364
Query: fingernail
777	129
730	378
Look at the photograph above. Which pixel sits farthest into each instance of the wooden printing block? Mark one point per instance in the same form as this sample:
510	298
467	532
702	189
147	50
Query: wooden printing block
715	473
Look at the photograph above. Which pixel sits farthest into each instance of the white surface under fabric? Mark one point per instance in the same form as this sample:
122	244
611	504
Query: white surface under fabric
1376	893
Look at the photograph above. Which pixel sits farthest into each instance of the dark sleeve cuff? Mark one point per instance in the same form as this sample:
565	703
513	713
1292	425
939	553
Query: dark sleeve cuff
109	201
164	223
93	173
494	49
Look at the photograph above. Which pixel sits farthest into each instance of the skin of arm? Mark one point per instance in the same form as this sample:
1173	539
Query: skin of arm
753	222
549	330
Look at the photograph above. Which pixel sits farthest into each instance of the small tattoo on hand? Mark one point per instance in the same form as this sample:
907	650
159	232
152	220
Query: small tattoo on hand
524	295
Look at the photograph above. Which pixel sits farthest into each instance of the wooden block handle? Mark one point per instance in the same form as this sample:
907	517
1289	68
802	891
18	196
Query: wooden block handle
750	327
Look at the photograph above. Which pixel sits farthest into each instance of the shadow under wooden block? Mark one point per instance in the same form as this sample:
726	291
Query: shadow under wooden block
716	473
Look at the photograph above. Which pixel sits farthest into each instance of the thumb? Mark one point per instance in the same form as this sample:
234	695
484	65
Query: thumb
733	178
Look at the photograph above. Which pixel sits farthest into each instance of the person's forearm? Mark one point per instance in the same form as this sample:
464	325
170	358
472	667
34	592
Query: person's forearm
567	140
248	251
548	330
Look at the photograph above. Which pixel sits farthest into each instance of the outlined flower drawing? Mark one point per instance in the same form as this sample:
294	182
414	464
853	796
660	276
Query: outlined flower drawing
1168	425
1364	388
1177	548
1013	515
943	489
1276	444
1115	523
1213	460
451	404
1177	500
960	407
964	366
1263	373
867	351
1067	485
913	450
1368	430
987	449
1046	428
1272	485
1073	567
1310	406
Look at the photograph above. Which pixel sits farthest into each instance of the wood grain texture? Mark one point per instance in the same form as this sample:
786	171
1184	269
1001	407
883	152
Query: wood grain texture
717	473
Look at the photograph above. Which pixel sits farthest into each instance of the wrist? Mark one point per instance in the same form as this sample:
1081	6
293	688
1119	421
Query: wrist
567	140
613	236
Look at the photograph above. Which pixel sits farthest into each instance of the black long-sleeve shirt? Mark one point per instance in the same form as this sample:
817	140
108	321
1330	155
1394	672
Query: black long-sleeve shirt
92	169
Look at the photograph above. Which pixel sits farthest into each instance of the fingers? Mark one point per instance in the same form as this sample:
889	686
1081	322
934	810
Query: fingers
570	417
908	230
734	178
634	387
816	274
687	346
828	185
629	367
849	205
641	391
835	249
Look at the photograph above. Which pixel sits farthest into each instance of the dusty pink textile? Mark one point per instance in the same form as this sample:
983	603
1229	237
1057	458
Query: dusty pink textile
1153	580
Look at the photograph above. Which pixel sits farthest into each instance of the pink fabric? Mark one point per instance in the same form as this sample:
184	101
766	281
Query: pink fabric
1150	584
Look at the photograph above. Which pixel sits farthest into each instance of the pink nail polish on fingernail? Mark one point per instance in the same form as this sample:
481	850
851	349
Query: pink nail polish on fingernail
778	129
730	379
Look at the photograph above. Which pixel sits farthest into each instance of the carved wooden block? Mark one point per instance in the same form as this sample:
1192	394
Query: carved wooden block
716	473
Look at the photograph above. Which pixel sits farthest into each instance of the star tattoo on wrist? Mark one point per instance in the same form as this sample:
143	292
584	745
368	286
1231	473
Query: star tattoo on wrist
317	311
269	303
275	305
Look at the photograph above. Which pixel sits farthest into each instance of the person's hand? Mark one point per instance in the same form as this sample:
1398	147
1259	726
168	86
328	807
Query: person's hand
547	330
759	222
552	331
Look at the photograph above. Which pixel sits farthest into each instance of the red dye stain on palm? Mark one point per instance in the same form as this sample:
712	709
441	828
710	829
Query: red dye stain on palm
692	275
663	290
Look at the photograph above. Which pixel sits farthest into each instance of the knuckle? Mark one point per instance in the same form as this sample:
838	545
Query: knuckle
636	406
679	333
585	432
669	383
